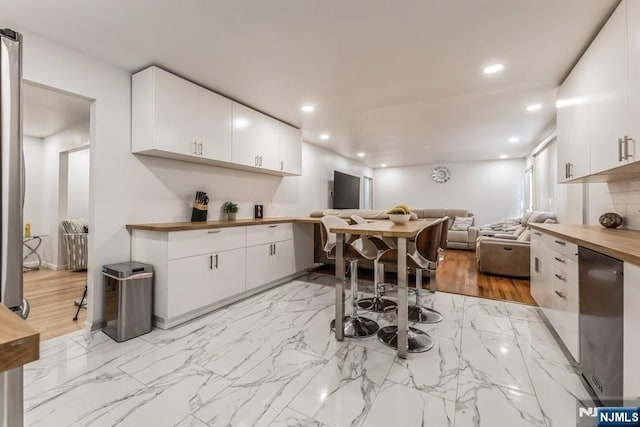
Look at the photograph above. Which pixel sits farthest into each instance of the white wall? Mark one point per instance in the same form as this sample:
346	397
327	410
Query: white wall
492	190
78	184
53	174
33	152
622	197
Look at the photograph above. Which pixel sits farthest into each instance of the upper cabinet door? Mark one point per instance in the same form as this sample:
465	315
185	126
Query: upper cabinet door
290	149
633	44
215	125
269	150
176	114
608	100
246	135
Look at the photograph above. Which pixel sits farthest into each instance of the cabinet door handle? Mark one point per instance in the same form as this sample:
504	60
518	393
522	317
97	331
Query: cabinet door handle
566	170
560	260
570	170
620	142
213	231
626	147
270	249
560	277
195	147
201	149
536	265
216	260
560	242
274	248
260	160
561	295
281	165
210	262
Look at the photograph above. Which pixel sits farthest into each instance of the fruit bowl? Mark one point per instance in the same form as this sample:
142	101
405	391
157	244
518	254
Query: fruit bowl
398	219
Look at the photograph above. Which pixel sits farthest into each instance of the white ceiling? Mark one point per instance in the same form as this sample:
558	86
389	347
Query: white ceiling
47	112
399	80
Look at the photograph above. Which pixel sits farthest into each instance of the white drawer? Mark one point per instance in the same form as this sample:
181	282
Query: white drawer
562	246
262	234
566	265
197	242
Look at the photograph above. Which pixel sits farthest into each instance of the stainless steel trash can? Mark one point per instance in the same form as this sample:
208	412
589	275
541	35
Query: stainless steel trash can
128	299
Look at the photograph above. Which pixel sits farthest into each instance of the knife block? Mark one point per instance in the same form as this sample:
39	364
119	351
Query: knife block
199	213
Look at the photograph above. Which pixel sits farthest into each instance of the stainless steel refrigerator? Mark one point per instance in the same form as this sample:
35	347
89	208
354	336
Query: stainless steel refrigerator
11	204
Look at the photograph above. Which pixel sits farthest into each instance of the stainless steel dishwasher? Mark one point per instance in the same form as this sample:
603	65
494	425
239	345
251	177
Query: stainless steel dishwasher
601	305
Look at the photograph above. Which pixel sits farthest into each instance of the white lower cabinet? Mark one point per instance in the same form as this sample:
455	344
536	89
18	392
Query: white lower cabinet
554	286
631	325
269	262
198	271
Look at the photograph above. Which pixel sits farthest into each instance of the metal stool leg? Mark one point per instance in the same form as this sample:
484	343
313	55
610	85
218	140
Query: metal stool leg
420	314
418	341
84	296
376	303
354	325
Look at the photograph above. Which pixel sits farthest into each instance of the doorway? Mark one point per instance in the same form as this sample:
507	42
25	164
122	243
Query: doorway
56	207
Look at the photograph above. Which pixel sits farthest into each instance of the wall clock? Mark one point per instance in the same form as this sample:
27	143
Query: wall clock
440	174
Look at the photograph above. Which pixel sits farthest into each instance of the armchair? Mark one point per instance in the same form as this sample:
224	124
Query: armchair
504	257
75	231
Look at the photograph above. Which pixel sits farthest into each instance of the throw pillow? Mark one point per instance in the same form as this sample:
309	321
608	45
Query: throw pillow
462	223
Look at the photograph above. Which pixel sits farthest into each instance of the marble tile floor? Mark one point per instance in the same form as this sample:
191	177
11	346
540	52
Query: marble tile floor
271	361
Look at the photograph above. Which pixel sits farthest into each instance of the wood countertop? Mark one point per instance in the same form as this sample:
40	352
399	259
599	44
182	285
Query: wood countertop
385	228
617	243
19	342
187	225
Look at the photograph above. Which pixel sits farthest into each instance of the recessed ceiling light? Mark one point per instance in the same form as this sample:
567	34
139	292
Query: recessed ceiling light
493	68
383	165
360	154
504	156
324	136
514	139
308	108
534	107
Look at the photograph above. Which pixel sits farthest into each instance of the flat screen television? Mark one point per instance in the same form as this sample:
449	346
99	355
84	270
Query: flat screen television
346	191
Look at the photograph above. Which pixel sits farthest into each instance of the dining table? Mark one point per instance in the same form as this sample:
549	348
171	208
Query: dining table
401	233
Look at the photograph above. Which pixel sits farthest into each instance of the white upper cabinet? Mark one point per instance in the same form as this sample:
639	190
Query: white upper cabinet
633	46
290	149
215	125
608	97
164	113
177	119
573	126
269	143
599	101
246	135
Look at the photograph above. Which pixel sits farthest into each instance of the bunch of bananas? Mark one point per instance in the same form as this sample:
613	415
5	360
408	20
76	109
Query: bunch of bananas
399	210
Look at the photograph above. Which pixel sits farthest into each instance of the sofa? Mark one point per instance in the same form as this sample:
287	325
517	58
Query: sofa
75	238
505	250
463	237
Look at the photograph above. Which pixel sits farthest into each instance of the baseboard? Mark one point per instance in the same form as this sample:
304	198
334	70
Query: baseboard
54	267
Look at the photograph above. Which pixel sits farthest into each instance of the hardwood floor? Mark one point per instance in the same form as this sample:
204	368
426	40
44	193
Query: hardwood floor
51	295
458	274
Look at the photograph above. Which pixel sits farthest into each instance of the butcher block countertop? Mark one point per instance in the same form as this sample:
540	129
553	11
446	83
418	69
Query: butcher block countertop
183	226
19	342
617	243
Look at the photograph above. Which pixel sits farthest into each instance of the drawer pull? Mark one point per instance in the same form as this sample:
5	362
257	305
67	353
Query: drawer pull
213	231
560	277
537	234
273	225
561	295
560	260
560	242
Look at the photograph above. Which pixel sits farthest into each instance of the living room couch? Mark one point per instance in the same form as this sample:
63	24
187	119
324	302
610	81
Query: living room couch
505	250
